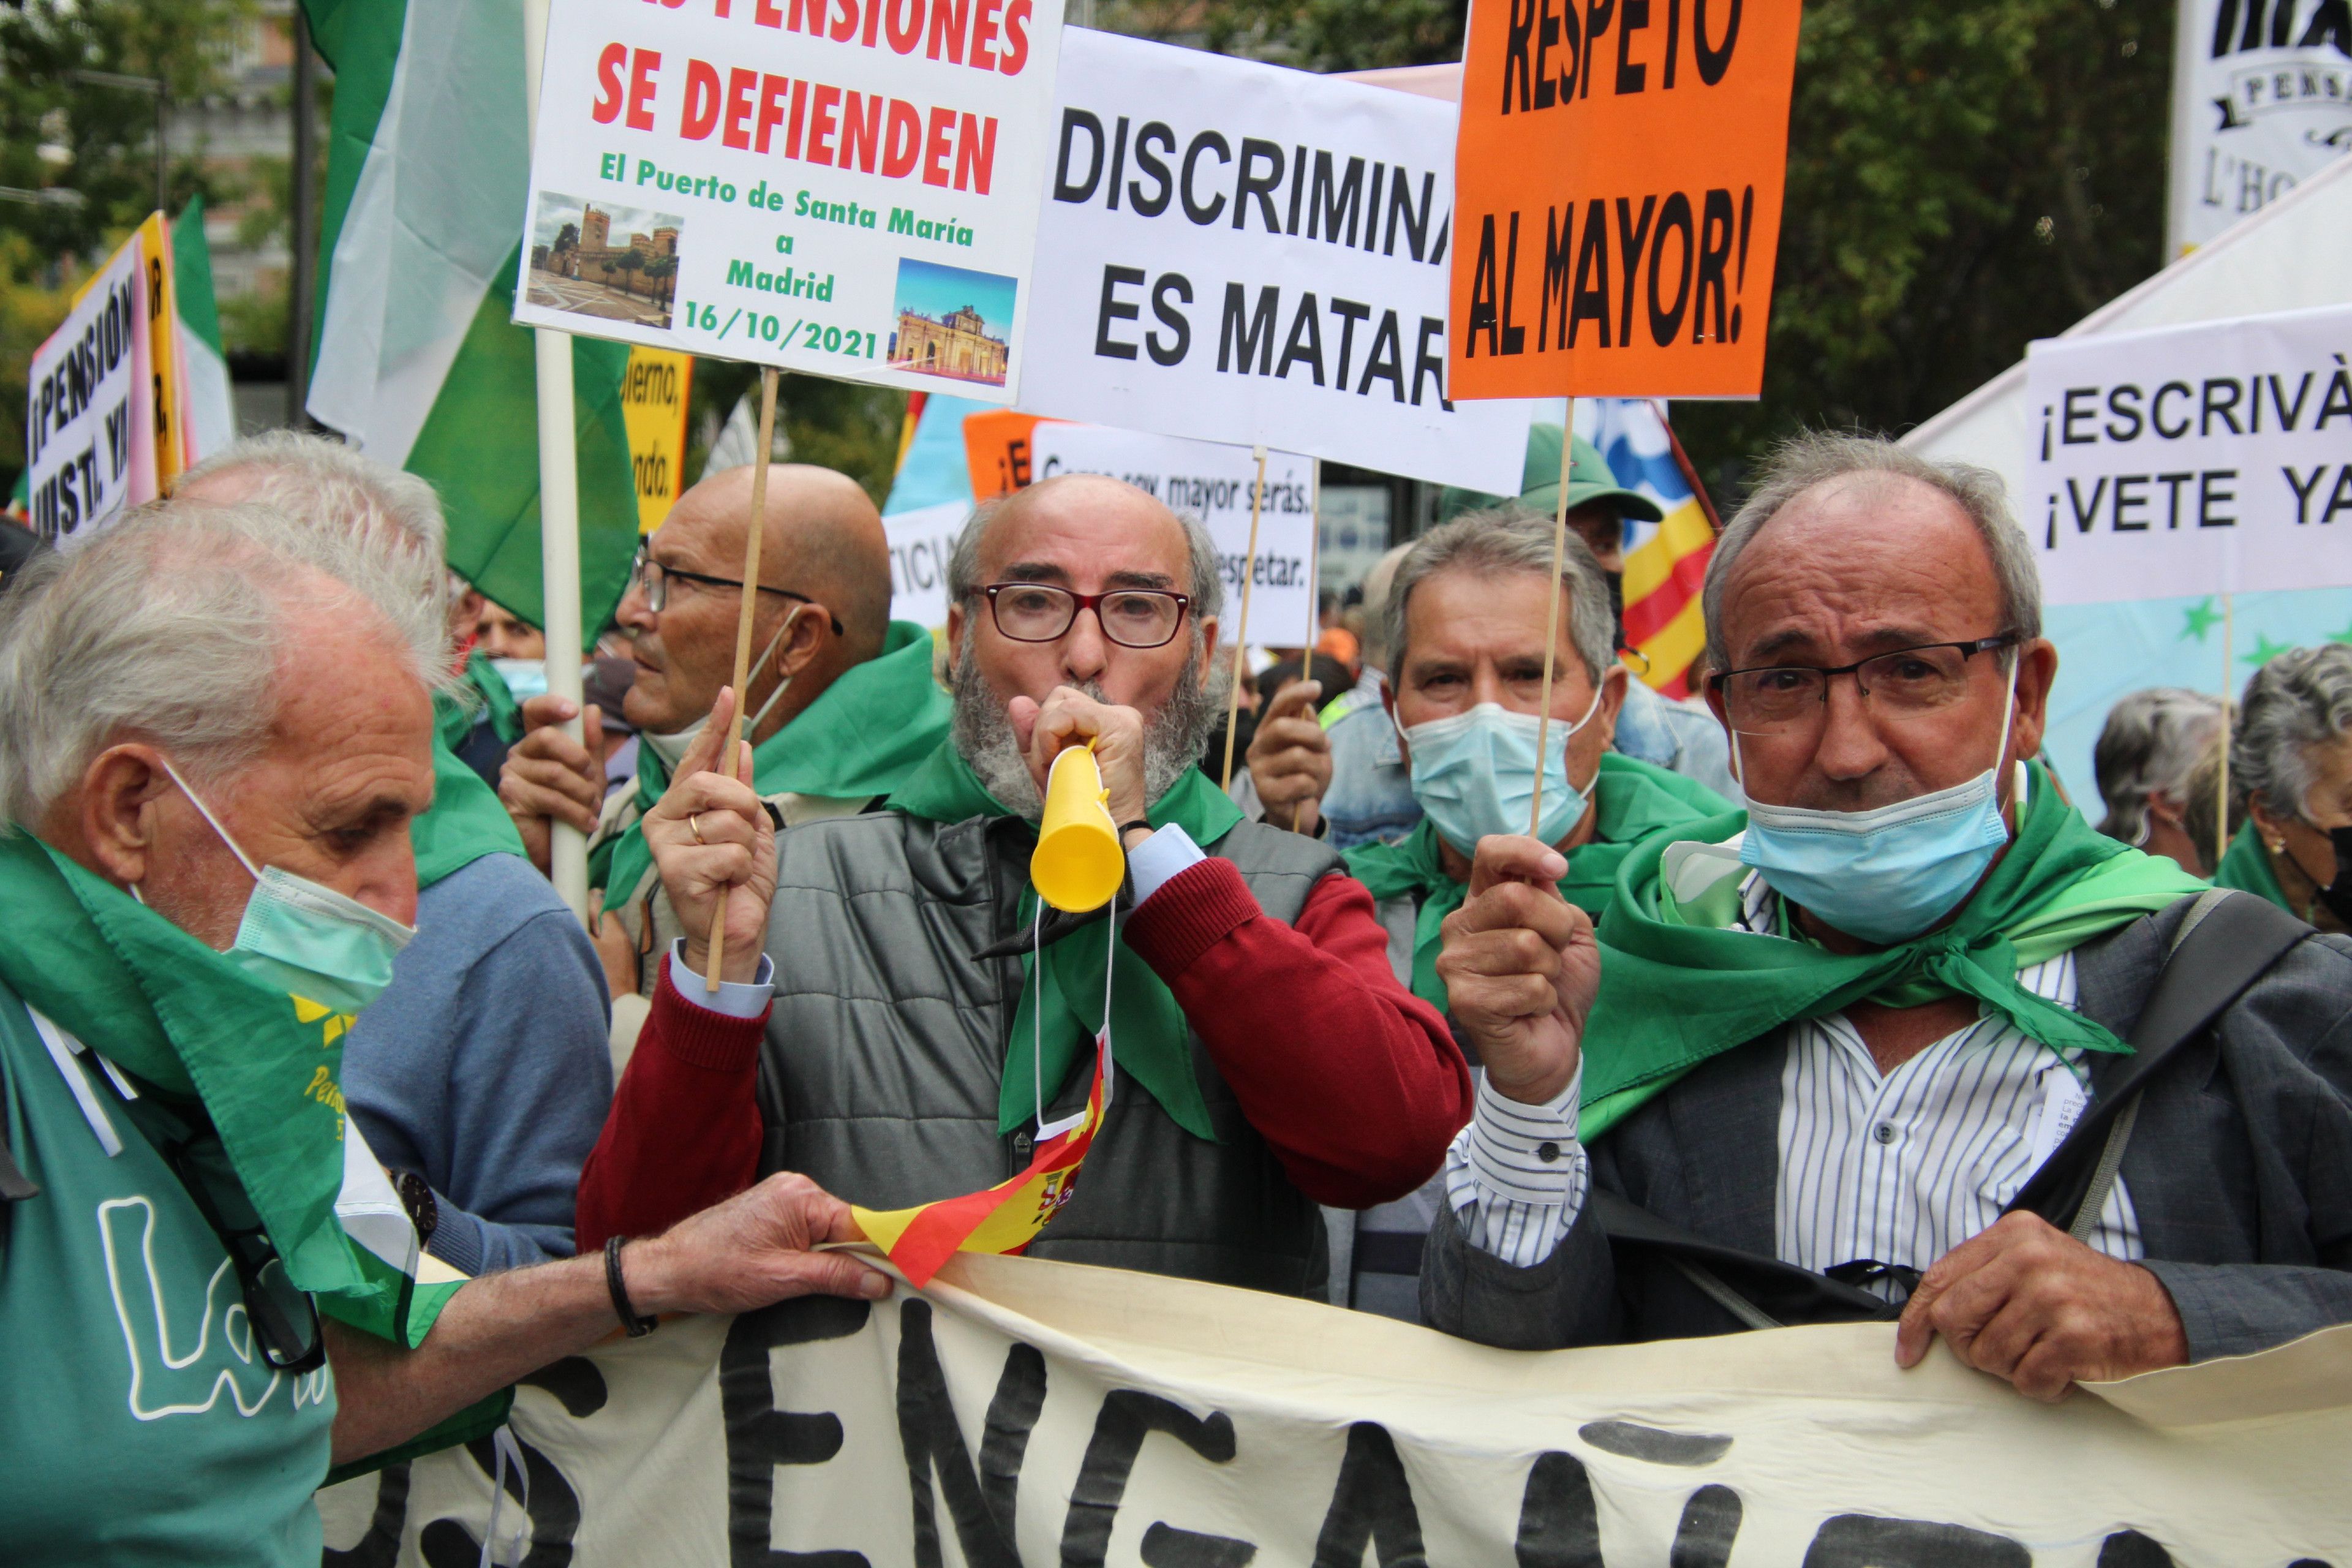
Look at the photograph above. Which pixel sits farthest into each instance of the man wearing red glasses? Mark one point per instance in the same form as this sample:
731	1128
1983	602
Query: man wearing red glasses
919	1025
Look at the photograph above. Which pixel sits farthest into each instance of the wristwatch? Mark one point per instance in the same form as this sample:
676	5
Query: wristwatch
417	1197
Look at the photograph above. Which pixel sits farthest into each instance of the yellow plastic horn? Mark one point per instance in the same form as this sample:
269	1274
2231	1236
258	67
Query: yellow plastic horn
1078	864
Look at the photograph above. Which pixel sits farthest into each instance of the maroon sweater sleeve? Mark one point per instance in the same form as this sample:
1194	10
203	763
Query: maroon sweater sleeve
1355	1081
684	1131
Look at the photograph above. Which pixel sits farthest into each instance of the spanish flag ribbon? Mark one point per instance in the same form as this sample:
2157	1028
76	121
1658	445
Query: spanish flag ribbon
1006	1217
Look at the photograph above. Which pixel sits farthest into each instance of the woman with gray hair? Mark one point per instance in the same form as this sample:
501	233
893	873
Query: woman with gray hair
2148	751
2291	763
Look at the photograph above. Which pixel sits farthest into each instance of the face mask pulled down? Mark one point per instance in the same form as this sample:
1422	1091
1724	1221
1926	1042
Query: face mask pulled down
1887	874
1474	773
307	940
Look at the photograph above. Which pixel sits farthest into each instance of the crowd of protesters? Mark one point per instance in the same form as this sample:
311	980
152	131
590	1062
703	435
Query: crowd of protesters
1813	998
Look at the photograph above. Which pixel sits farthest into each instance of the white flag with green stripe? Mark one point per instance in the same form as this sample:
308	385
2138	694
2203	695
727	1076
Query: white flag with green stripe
416	360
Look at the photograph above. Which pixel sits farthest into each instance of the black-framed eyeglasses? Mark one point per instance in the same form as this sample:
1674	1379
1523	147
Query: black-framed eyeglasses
285	1319
650	578
1773	699
1132	617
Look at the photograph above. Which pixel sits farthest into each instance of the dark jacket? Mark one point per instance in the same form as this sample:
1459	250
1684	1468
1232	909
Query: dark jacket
2240	1168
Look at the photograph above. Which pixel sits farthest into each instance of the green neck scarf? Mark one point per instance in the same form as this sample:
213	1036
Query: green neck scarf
2246	866
466	822
497	701
158	1002
1678	985
1148	1033
1634	800
870	729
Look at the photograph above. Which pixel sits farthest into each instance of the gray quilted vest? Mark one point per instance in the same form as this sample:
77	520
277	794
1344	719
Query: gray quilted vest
879	1076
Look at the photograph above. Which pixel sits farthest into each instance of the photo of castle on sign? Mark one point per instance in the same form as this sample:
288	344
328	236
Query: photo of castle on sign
615	263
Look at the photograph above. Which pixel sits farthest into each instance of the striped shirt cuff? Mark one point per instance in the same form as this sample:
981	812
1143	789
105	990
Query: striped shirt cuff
1516	1176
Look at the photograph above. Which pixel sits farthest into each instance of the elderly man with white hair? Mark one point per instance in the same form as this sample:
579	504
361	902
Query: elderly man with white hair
1911	1039
207	867
482	1073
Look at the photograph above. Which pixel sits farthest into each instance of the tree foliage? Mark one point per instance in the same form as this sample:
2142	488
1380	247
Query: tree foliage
56	132
1962	180
96	143
836	424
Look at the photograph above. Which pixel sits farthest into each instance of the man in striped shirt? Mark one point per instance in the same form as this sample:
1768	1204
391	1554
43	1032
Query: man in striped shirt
1845	1038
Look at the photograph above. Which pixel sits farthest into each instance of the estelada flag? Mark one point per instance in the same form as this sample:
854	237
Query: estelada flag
1005	1217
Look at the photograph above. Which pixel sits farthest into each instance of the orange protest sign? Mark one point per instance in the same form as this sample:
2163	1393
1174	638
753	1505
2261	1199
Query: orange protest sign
1617	179
996	446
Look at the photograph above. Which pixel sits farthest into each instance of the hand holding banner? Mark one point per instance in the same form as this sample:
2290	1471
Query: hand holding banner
1618	173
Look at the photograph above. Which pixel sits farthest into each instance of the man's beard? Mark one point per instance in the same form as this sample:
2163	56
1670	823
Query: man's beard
1172	738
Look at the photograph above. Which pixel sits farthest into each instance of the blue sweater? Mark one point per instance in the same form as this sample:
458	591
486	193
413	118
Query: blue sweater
484	1066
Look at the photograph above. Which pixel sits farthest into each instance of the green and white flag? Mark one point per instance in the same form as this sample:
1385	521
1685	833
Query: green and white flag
205	400
416	360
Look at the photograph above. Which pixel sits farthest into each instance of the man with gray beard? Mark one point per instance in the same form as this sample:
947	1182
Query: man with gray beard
922	1024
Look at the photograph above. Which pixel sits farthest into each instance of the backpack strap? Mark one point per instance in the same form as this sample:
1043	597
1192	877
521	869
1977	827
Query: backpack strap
1760	1290
2229	940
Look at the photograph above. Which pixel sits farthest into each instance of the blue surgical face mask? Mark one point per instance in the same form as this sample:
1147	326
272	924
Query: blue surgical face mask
1887	874
307	940
1474	773
526	677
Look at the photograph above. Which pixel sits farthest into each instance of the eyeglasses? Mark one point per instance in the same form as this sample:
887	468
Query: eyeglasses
650	578
1132	617
1775	699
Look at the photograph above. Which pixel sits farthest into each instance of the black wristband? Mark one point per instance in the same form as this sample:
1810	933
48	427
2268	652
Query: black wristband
638	1327
1127	828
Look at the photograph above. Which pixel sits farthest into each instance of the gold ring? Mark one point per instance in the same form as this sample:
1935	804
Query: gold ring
694	823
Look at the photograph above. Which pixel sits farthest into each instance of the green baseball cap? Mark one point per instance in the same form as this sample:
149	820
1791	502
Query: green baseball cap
1589	479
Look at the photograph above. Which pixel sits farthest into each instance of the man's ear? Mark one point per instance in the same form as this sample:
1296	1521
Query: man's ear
2037	672
1208	650
957	623
108	821
1615	682
800	647
1388	706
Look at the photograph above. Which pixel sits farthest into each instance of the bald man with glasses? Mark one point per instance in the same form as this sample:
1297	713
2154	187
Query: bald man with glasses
841	704
911	1021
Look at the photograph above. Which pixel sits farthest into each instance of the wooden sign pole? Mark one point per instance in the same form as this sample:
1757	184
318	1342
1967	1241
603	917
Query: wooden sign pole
754	534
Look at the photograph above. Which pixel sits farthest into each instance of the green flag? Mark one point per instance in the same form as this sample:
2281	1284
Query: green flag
416	360
266	1064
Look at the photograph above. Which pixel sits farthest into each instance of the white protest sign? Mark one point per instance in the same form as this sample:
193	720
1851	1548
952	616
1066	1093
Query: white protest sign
2262	99
1020	1411
89	410
1237	252
2199	459
1212	482
846	187
921	542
